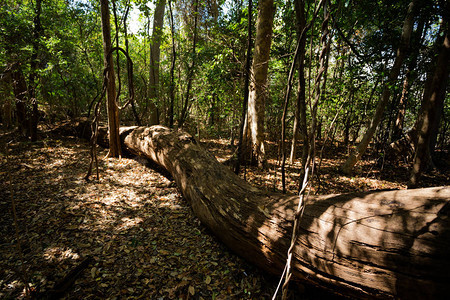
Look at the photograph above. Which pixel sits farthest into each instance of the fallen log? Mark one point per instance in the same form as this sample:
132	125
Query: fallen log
380	244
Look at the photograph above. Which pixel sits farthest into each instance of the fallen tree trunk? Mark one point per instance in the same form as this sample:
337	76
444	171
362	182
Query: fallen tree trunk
384	244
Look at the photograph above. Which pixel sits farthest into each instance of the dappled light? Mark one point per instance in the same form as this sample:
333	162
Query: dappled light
58	254
139	231
235	149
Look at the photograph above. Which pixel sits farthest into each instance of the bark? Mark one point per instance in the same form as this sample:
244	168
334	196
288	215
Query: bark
246	88
386	244
409	78
155	57
130	68
325	40
111	106
433	103
299	127
6	107
172	68
190	76
7	113
348	119
393	75
33	71
20	93
254	133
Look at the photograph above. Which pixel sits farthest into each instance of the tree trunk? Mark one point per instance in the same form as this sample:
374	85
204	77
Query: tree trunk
20	93
248	55
299	127
409	78
172	69
299	51
111	106
155	51
129	68
401	53
385	244
348	119
190	75
432	107
34	118
254	135
6	106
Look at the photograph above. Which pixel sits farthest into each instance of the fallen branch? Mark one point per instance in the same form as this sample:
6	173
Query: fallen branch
62	286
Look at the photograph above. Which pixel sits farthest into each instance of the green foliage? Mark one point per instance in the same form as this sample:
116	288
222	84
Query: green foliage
364	43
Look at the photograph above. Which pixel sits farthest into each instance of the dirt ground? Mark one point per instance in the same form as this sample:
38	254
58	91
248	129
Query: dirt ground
131	235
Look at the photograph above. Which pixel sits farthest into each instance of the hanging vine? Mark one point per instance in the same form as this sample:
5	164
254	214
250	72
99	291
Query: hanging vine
95	121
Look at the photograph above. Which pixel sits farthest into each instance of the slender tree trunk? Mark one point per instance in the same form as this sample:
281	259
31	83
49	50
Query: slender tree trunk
111	106
322	70
6	108
409	77
254	135
190	77
429	121
130	78
398	126
20	93
7	113
248	58
155	51
34	116
300	49
393	75
299	127
348	119
172	69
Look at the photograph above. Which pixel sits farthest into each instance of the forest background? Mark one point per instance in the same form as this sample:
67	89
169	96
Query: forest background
279	85
367	72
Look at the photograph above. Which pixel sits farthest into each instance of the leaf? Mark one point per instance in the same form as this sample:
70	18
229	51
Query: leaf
208	279
164	252
191	290
93	272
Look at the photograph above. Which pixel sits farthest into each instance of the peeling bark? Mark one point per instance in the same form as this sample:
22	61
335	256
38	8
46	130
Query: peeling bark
258	91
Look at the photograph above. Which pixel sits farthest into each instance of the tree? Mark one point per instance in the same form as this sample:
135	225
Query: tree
433	102
409	77
112	108
299	127
20	93
155	51
191	69
6	106
246	86
254	132
172	68
395	70
21	51
33	70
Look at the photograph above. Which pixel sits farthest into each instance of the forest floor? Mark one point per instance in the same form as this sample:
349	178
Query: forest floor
140	238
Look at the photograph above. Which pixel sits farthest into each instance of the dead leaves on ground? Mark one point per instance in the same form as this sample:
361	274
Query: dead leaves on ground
142	236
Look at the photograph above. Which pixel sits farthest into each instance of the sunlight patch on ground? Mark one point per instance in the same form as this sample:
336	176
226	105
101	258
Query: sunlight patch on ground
128	223
57	254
